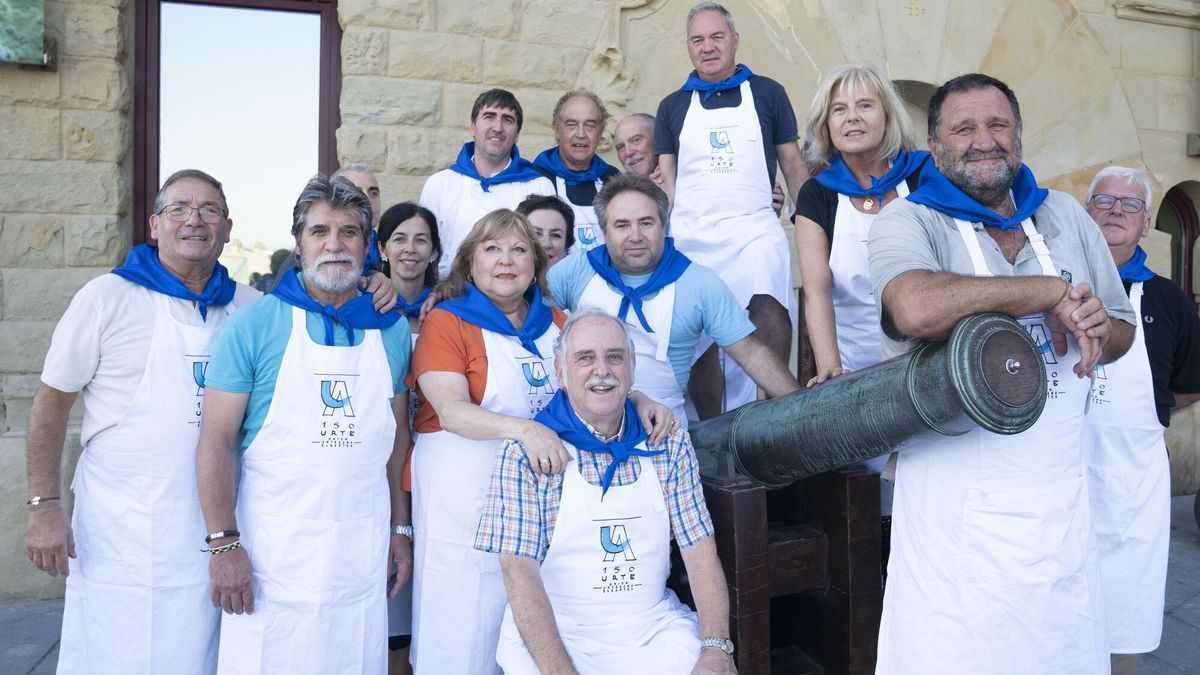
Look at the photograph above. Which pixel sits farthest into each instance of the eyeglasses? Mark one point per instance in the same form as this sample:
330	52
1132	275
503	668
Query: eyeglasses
1128	204
179	213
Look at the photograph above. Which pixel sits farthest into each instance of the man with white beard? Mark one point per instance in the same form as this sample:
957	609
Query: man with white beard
311	380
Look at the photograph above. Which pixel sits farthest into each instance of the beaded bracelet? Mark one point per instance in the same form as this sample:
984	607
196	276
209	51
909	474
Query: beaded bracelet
222	549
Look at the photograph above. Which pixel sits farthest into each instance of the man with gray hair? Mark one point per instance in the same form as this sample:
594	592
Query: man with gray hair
136	343
718	140
573	166
308	385
1129	482
674	301
582	603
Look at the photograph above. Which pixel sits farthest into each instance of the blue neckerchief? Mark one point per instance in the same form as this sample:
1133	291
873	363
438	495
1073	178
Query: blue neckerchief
143	268
551	161
938	193
474	307
357	313
412	310
560	417
518	171
740	75
839	178
669	269
1135	269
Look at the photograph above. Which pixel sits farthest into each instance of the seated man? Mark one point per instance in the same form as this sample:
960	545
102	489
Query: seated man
578	604
674	300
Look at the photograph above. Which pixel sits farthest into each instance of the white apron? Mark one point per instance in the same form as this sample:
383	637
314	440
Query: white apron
458	592
855	317
609	594
653	375
587	225
722	216
993	569
1130	485
314	509
137	598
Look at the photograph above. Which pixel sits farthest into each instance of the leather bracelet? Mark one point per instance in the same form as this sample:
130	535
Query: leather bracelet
221	534
40	499
222	549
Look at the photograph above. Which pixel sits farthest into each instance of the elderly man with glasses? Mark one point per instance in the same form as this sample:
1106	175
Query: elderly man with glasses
136	342
1129	482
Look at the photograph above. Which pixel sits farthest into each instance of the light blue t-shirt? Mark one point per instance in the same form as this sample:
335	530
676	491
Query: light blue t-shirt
250	349
703	304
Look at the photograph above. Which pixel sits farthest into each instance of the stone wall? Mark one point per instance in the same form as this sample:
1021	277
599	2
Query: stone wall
64	202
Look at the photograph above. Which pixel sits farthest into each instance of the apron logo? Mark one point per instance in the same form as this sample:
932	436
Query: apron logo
720	161
335	394
199	368
719	140
536	377
586	236
1041	338
615	540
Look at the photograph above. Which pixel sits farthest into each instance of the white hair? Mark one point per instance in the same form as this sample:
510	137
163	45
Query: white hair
560	342
1133	177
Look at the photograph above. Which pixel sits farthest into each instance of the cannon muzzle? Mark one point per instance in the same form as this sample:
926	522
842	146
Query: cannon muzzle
988	374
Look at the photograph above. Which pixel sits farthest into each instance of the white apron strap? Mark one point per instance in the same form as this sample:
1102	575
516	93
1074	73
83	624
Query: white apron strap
967	232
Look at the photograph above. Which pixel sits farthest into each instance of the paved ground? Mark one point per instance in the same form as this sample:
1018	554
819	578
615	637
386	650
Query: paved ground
29	630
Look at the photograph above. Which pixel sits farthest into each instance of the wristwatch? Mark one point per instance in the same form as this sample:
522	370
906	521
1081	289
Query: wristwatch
724	644
405	530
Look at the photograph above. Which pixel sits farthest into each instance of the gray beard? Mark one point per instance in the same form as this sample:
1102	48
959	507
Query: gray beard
992	194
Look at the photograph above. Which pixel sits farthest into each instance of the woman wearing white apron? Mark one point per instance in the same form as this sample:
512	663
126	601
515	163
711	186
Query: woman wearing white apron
1130	489
410	249
722	216
137	598
993	568
857	128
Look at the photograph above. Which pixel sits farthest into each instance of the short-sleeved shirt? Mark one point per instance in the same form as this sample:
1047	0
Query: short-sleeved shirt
101	344
250	350
450	344
1172	332
910	236
703	305
522	506
776	117
819	204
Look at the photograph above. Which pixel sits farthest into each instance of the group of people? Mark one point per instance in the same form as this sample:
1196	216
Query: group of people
529	468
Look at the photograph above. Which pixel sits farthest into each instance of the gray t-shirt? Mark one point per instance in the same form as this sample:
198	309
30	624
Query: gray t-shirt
910	236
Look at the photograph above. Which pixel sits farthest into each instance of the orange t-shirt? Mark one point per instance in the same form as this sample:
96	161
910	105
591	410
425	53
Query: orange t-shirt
447	343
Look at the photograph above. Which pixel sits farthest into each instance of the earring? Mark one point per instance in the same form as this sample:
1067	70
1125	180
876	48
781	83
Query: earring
383	258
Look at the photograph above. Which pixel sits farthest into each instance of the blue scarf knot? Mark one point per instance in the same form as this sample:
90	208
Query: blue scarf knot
357	313
551	161
938	193
476	308
519	169
840	179
412	309
560	417
143	267
670	267
694	83
1135	269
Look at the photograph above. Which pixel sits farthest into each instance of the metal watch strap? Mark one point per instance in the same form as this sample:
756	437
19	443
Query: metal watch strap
724	644
405	530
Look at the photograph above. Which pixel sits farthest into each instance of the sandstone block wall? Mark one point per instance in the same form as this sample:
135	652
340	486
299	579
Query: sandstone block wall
65	138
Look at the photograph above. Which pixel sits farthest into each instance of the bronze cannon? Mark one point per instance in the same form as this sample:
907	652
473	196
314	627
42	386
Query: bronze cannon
989	373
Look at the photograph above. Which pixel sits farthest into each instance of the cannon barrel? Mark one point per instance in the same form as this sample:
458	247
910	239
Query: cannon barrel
988	373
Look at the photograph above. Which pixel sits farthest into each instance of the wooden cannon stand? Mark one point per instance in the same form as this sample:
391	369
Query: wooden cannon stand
803	567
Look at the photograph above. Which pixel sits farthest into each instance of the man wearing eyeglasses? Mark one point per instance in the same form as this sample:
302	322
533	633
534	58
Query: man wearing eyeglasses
1129	482
136	342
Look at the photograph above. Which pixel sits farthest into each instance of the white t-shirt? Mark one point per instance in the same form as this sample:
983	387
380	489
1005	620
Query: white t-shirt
459	201
101	344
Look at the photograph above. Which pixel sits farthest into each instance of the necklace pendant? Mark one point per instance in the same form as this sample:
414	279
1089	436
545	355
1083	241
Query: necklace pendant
868	203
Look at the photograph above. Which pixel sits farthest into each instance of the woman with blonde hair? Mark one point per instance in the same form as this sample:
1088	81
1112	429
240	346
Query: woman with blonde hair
482	368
